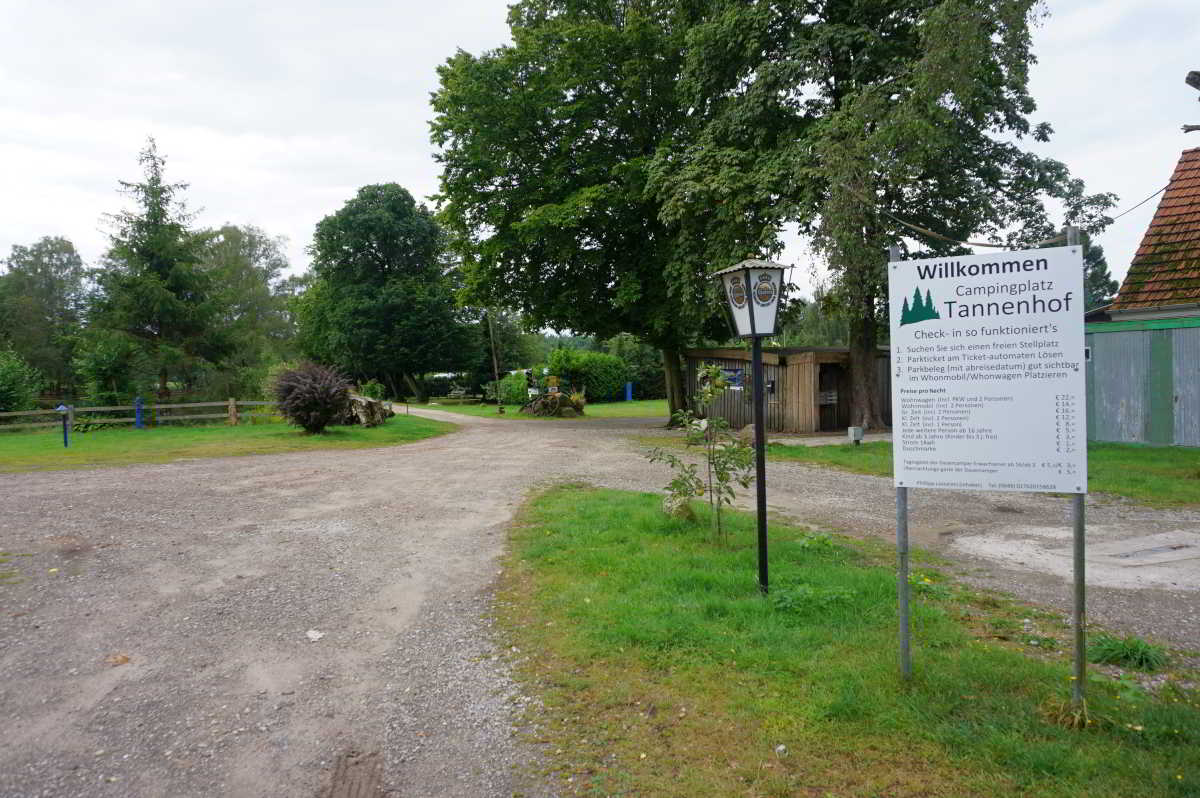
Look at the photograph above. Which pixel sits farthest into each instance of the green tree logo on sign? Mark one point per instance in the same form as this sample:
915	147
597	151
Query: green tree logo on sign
919	310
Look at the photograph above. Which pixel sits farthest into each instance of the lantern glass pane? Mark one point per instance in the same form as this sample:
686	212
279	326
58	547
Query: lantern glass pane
765	289
737	293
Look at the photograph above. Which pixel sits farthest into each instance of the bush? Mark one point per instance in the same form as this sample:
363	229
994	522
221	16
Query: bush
372	389
312	396
601	376
19	383
514	390
112	369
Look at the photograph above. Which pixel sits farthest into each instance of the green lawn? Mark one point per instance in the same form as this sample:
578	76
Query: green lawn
1161	476
643	408
43	451
663	671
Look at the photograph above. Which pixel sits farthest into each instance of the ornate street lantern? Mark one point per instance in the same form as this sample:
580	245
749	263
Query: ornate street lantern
753	289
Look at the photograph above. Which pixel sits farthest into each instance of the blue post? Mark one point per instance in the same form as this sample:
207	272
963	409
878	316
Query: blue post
65	413
629	392
137	413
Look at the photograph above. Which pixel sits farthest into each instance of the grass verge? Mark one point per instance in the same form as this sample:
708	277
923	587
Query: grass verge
1158	476
642	408
662	671
43	451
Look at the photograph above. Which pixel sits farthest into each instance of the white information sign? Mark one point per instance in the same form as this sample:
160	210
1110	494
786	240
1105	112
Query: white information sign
988	375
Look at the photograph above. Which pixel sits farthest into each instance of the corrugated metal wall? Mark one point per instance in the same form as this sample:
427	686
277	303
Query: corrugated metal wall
1186	373
1144	386
735	405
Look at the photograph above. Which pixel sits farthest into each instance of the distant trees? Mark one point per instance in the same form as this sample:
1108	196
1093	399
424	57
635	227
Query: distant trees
819	321
42	300
19	382
1099	288
252	299
382	301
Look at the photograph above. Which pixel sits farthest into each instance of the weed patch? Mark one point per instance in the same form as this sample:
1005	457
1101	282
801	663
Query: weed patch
1127	652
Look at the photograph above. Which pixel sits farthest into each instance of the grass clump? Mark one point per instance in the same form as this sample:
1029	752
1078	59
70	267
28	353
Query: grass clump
1127	652
664	671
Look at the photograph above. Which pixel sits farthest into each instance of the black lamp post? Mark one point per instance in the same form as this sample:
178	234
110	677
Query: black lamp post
753	289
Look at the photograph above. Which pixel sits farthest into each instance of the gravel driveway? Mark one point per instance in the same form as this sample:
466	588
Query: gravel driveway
285	625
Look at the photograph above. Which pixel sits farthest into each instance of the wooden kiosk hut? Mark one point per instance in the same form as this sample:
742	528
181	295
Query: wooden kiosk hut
808	388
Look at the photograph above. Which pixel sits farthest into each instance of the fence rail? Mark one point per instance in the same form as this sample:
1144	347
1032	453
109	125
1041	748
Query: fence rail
145	414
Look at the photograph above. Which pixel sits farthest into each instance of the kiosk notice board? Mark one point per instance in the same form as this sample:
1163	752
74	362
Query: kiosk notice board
988	375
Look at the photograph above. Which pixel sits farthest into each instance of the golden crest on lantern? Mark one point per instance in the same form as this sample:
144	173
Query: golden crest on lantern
737	292
765	289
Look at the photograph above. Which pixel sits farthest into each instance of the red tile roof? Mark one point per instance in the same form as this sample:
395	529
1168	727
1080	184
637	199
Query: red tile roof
1166	268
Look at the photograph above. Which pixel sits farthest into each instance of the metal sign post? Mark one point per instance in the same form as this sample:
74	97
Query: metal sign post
1077	518
989	390
760	461
902	558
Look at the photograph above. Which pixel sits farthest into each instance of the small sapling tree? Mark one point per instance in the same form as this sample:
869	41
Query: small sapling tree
728	460
312	396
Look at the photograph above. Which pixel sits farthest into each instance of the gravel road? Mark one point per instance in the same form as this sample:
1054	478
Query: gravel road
248	626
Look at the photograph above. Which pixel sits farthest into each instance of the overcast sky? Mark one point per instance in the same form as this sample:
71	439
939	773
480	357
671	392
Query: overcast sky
276	112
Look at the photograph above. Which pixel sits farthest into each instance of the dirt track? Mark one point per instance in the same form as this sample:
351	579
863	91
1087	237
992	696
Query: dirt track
208	575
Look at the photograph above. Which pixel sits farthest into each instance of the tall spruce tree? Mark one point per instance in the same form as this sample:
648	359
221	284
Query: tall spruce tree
152	287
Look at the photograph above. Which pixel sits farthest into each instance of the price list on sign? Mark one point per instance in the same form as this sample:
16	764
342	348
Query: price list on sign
988	372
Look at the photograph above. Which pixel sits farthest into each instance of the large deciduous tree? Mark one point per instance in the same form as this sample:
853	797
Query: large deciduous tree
548	146
246	267
381	304
42	297
152	287
844	116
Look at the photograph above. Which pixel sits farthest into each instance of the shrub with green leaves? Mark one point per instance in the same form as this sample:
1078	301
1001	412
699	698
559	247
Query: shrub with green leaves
312	396
19	383
372	389
514	390
600	376
1127	652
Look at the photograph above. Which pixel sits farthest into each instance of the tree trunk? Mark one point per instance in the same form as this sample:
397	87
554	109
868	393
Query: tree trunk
164	393
418	391
676	392
864	396
390	379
